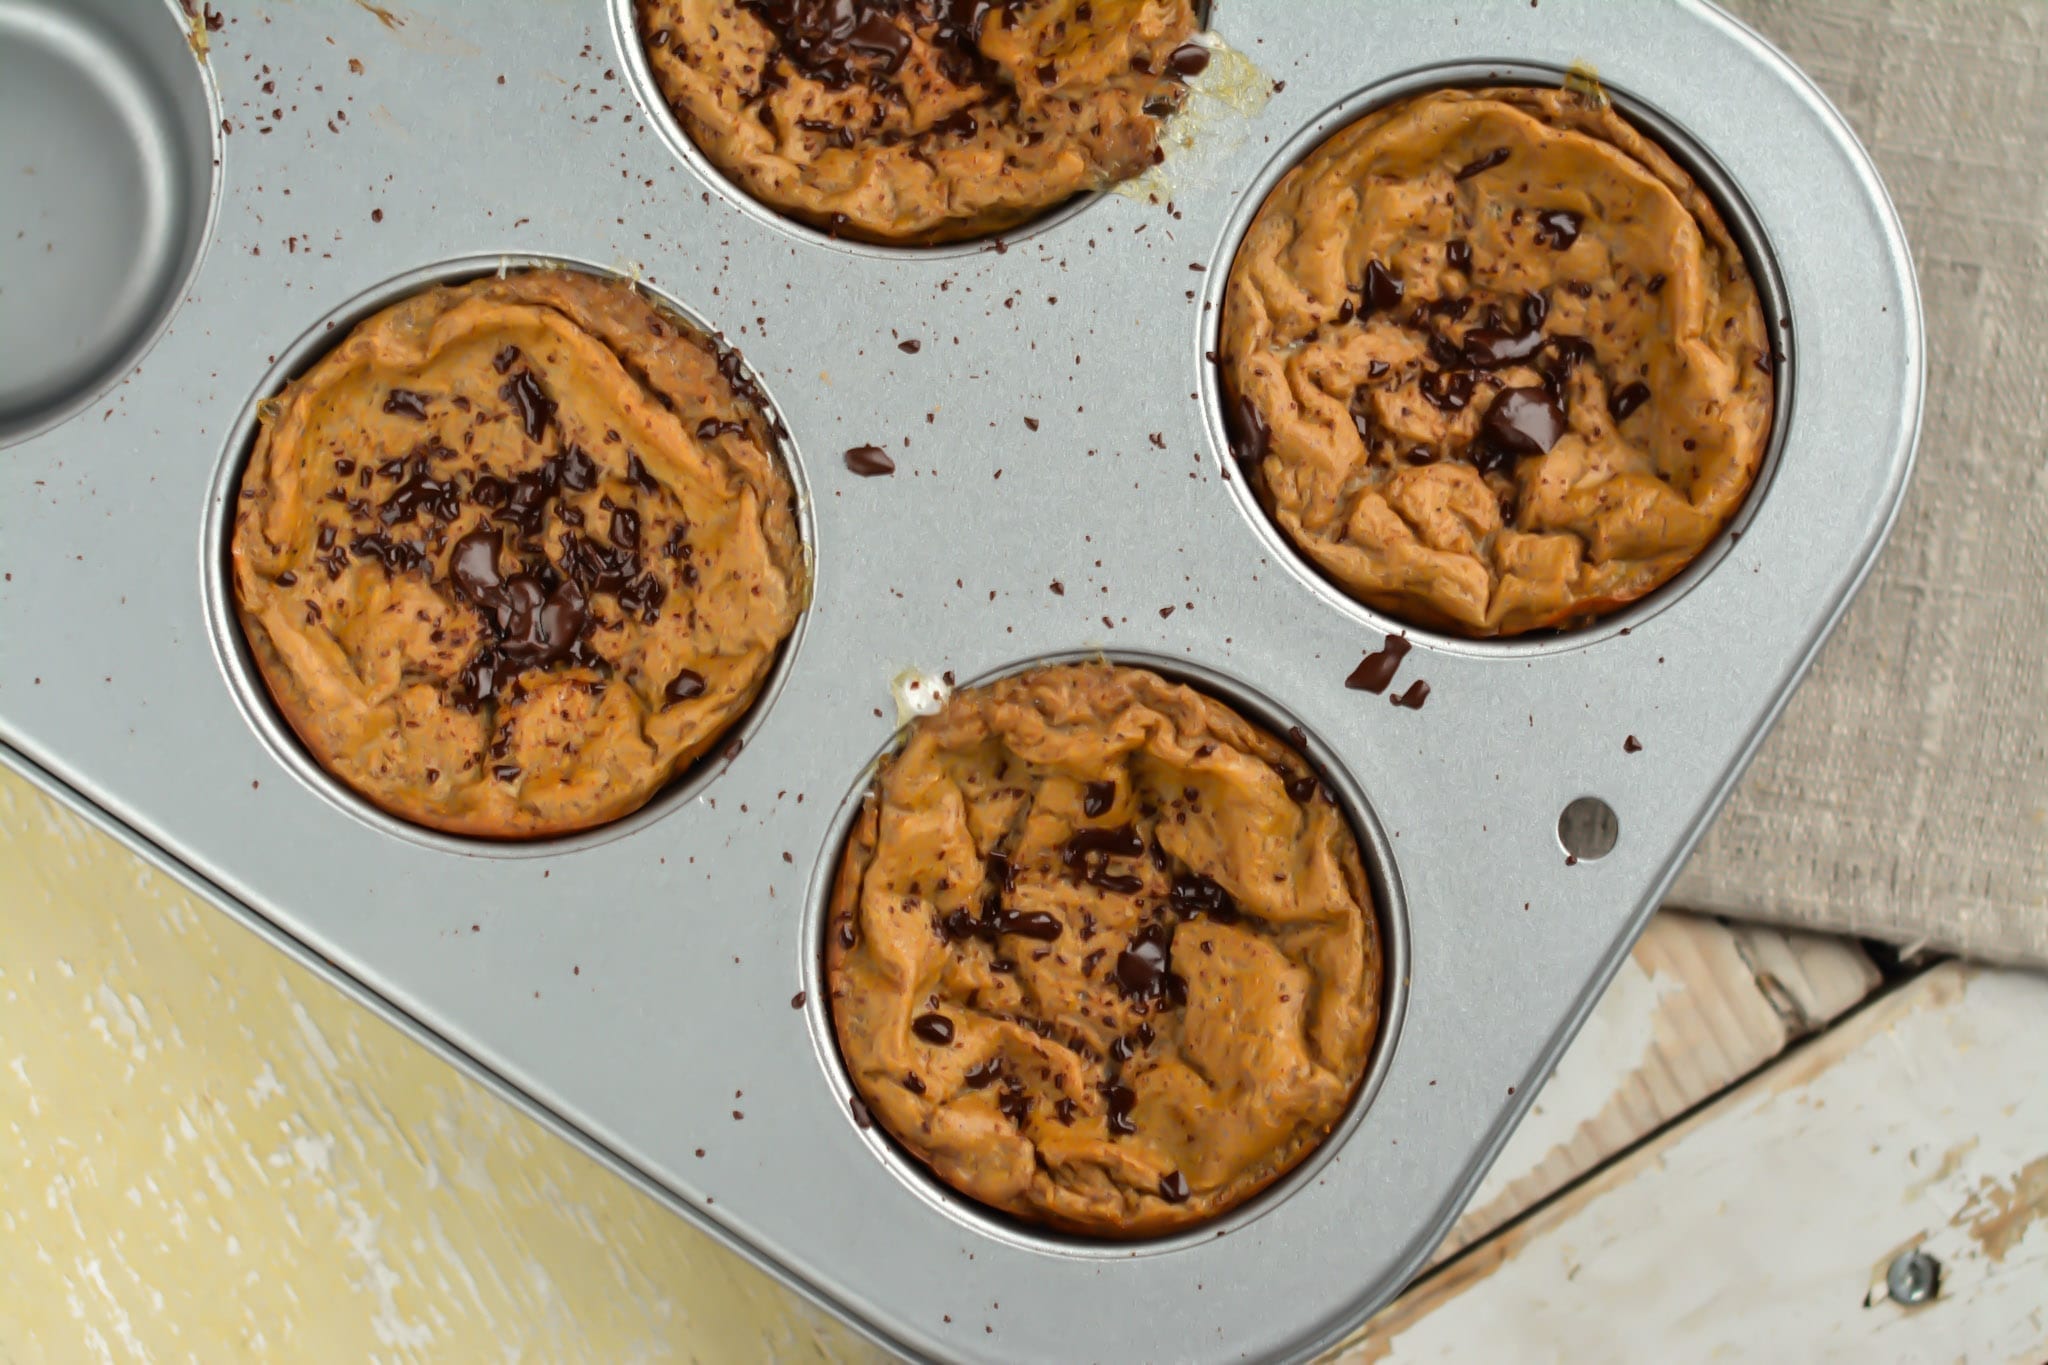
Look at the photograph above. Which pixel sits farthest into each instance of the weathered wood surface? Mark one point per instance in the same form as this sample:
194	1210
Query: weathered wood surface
1761	1227
1697	1006
208	1154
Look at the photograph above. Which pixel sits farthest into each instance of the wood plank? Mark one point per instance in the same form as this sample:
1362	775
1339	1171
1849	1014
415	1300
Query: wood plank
1761	1227
1698	1005
207	1153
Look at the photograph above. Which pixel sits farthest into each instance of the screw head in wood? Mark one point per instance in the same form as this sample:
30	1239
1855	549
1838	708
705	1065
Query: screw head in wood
1913	1277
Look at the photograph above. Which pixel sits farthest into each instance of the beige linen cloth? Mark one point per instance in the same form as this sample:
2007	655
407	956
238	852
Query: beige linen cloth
1904	795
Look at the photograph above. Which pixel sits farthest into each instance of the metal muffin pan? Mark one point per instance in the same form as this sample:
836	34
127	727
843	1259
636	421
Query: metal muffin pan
634	989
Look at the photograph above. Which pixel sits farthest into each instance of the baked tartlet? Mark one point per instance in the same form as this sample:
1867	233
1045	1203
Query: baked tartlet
921	121
1494	361
1101	953
514	553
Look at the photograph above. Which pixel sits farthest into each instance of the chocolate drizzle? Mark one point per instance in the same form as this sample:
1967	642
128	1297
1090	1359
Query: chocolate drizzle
536	409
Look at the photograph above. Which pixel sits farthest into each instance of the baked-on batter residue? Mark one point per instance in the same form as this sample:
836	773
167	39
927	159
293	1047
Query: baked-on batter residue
513	554
1101	953
920	121
1494	361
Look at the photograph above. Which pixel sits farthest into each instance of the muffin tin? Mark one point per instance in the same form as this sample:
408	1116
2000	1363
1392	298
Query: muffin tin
652	988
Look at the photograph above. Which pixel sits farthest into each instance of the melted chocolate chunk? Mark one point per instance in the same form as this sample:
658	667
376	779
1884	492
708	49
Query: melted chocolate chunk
1627	399
1189	59
1173	1187
1122	1100
1458	255
418	489
1377	669
983	1074
1523	421
997	919
1097	798
1417	693
1484	163
1631	745
933	1028
1490	348
1250	437
1036	924
1382	291
535	624
635	471
1449	390
578	472
1558	228
505	359
1195	896
1122	841
1561	355
687	684
406	403
396	556
1144	970
1014	1103
536	409
869	461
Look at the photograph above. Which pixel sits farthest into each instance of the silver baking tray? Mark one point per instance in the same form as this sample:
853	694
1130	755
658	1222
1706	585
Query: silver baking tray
635	985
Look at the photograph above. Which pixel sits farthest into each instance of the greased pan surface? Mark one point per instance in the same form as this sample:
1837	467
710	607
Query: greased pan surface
635	983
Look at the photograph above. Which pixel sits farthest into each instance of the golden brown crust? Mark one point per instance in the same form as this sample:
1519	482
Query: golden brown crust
1129	1038
484	546
965	128
1376	416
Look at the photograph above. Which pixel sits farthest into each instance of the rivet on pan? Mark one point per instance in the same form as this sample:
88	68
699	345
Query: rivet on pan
1913	1277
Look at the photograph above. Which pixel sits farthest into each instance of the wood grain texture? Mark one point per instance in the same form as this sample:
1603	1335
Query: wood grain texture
1697	1006
1761	1228
1905	793
208	1154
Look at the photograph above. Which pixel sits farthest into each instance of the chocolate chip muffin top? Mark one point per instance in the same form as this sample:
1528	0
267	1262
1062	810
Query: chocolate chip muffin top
1101	953
513	554
1494	361
921	121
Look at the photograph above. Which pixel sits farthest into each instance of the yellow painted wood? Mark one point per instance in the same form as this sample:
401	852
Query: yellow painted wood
208	1154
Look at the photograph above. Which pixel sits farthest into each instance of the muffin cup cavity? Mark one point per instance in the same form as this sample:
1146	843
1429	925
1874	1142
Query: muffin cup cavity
1229	431
534	624
1389	912
113	137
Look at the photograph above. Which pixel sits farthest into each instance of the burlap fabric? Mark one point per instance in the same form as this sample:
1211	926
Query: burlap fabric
1905	793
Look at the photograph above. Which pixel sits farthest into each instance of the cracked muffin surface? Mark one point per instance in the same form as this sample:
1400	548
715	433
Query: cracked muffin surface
512	554
1101	953
1494	362
921	121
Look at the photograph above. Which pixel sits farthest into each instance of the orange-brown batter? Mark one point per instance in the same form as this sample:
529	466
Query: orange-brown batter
1101	953
918	121
513	554
1494	360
